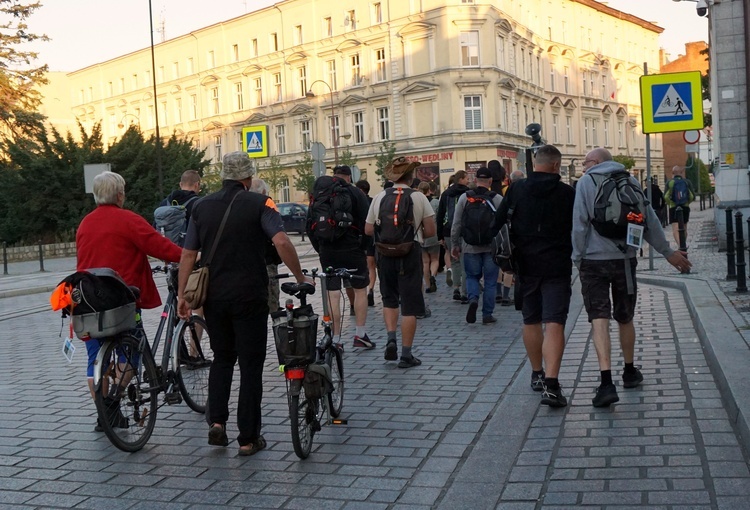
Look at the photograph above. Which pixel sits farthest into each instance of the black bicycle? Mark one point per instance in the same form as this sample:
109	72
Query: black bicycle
127	381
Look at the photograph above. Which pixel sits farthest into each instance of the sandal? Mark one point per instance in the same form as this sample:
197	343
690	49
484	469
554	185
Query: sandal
252	448
217	435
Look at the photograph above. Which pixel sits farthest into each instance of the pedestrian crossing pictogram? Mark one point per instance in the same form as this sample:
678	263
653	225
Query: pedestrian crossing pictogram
672	106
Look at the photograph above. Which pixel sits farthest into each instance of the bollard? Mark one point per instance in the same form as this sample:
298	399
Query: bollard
41	257
681	234
740	252
731	275
5	257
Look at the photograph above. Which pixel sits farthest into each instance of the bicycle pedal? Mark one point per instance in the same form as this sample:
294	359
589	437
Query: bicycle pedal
339	421
173	398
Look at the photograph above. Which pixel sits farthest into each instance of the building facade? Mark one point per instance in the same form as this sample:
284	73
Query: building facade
450	83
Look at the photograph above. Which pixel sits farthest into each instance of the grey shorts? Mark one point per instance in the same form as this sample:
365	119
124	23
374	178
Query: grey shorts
598	277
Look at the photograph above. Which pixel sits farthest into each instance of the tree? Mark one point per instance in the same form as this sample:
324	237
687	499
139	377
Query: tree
347	158
694	168
706	87
385	155
274	175
304	178
19	77
625	161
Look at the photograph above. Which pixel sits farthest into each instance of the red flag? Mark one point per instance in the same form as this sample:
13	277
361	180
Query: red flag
612	95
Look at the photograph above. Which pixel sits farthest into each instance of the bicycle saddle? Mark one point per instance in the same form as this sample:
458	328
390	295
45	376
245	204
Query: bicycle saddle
297	288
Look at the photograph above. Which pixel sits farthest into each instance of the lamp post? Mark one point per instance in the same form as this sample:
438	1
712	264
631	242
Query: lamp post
156	102
121	124
334	135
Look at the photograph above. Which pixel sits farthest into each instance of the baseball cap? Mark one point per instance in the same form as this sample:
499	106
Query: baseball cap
484	173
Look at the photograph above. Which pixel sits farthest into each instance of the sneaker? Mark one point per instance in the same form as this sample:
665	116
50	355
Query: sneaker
471	313
363	342
409	362
449	277
433	284
488	319
631	380
370	298
605	396
537	381
217	435
505	302
553	397
427	313
391	351
464	300
456	295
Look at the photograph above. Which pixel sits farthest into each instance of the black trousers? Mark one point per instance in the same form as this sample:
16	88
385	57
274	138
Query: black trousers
238	332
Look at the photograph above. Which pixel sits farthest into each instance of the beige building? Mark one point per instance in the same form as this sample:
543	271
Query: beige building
452	83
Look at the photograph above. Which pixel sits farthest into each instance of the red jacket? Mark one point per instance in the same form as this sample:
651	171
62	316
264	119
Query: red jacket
120	239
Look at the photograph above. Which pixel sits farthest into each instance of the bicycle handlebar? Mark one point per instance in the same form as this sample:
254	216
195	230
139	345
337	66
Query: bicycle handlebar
164	269
329	272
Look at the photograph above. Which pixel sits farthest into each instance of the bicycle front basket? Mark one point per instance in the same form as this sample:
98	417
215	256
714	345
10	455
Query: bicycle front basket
300	349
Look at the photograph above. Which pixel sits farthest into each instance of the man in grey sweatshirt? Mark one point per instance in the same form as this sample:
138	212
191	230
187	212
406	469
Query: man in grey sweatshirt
605	263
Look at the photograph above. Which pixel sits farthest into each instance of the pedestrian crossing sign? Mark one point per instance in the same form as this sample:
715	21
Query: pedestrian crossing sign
671	102
255	141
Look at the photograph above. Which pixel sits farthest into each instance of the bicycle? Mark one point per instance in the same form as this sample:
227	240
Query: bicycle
127	377
313	370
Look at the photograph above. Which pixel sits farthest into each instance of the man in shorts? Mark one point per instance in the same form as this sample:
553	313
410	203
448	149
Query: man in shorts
541	224
401	277
604	267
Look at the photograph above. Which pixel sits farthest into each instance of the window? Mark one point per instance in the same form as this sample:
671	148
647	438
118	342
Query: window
327	27
274	41
506	118
211	59
285	195
539	71
522	72
280	139
150	117
501	52
620	133
214	101
473	113
163	113
606	133
235	53
384	125
305	134
122	86
351	20
193	106
133	81
586	134
530	75
112	123
190	66
525	115
239	140
239	103
517	117
331	72
377	12
513	59
258	86
469	48
359	127
110	89
585	82
178	110
551	76
334	133
591	83
566	80
297	35
302	77
277	87
380	75
175	70
354	69
147	76
217	148
555	131
569	129
594	134
254	47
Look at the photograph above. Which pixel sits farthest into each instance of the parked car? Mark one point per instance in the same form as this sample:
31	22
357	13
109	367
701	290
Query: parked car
294	216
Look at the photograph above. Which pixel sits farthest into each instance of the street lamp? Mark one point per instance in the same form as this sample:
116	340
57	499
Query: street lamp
156	102
121	124
334	135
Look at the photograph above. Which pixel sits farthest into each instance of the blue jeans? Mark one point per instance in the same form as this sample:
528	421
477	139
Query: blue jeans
477	265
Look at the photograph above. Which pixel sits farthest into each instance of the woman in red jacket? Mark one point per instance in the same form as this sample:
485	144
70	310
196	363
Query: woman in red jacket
110	236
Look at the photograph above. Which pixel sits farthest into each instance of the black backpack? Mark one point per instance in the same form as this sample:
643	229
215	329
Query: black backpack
478	218
331	209
618	202
450	210
394	228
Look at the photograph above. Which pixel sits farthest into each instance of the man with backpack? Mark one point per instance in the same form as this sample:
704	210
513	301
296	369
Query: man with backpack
610	208
395	216
471	235
454	276
173	213
679	193
335	225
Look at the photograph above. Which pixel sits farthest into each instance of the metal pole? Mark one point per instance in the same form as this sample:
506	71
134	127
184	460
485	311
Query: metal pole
41	257
156	103
681	234
5	257
731	275
333	131
648	181
740	251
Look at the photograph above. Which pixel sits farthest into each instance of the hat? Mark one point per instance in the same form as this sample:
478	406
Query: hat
483	173
237	166
342	170
398	167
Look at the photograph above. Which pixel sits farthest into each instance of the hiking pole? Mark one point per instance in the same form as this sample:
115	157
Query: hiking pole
731	275
740	250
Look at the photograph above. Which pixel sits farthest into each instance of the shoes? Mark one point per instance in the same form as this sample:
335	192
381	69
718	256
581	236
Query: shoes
488	319
433	285
456	295
364	342
427	313
471	313
498	299
449	277
113	415
537	381
351	310
553	397
391	351
631	380
605	396
370	298
409	362
252	448
464	300
505	302
217	435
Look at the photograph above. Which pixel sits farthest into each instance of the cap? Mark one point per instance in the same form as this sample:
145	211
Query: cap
237	166
484	173
342	170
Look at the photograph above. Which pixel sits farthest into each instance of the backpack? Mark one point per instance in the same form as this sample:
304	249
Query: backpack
394	228
172	221
680	192
331	207
478	218
502	247
450	210
618	202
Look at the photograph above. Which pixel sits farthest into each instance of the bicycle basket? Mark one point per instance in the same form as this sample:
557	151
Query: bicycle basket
300	349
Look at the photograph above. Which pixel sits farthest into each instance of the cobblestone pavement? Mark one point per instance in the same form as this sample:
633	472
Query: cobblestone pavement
464	430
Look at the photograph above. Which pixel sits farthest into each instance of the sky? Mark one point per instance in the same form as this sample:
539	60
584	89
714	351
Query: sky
86	32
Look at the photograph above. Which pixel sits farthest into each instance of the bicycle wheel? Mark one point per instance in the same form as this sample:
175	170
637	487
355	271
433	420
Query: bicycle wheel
303	415
336	396
194	358
126	399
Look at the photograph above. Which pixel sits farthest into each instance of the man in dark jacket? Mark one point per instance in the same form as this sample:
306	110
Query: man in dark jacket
541	226
190	186
454	276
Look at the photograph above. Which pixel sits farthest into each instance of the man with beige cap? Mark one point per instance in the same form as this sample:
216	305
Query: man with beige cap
236	308
395	216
